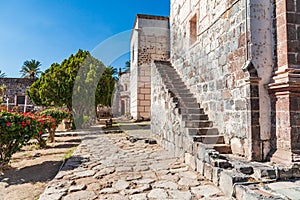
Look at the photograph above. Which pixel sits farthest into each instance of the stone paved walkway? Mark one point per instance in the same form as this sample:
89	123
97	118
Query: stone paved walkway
111	167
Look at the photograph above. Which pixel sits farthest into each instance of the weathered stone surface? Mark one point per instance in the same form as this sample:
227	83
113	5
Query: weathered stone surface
121	185
158	194
112	197
140	168
133	176
142	196
88	195
138	189
181	169
175	194
83	174
107	183
166	185
188	174
144	181
104	172
188	182
108	191
170	177
124	169
228	179
205	190
237	146
75	188
54	196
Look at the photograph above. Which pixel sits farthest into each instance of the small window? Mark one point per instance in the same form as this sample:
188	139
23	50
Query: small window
193	29
125	87
132	56
20	100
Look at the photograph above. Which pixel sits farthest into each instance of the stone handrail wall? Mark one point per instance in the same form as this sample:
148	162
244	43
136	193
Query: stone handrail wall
166	122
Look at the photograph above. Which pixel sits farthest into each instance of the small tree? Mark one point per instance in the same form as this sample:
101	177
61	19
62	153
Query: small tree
76	77
56	114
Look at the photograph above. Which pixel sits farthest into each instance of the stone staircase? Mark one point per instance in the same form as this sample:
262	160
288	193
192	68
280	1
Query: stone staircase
195	121
209	155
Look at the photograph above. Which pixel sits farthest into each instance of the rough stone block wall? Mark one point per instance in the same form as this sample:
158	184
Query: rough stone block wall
16	87
150	41
212	65
166	122
285	84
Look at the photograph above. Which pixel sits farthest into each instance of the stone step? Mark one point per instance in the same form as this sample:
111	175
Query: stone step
166	69
198	124
264	172
181	90
184	110
176	86
194	117
181	93
260	191
169	70
202	131
182	106
209	139
177	82
187	100
171	76
190	104
222	148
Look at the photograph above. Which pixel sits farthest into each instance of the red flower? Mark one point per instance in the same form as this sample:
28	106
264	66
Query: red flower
41	132
8	123
23	124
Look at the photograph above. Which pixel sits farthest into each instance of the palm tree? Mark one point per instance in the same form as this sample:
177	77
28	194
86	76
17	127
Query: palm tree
30	69
2	74
127	66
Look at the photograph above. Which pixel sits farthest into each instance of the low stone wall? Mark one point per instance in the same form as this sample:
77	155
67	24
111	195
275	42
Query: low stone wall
17	87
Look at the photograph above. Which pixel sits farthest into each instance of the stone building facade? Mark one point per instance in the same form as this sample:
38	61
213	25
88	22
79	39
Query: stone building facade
213	47
231	87
149	41
121	104
16	93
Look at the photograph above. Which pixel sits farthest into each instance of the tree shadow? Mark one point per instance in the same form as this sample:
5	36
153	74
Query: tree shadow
73	162
31	174
67	144
64	146
128	126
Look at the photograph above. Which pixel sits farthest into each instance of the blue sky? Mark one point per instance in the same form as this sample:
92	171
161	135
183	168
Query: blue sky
50	30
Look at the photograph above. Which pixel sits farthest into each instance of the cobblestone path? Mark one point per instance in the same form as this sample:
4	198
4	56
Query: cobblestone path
111	167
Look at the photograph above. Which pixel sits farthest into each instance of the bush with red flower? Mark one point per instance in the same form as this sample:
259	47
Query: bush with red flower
16	129
57	116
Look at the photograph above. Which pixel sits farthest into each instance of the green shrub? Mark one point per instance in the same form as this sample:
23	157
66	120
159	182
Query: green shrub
58	115
16	129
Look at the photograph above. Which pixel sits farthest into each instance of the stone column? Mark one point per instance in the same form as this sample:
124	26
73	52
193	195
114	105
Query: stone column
254	138
285	87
